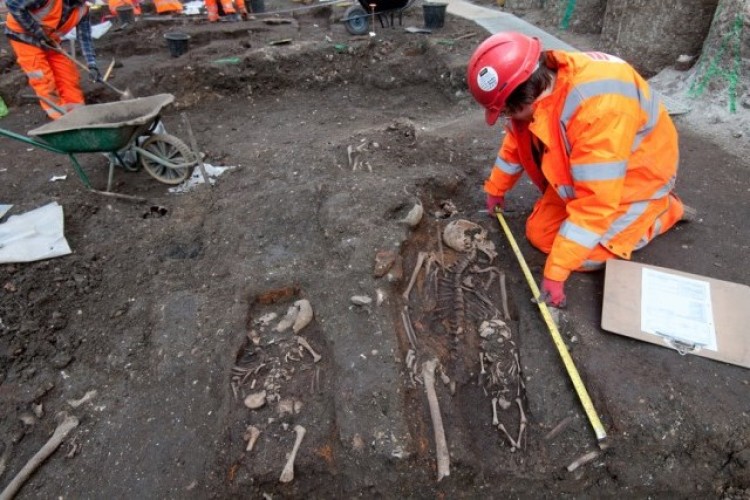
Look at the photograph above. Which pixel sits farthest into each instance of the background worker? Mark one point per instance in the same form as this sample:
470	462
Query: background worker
34	29
228	8
113	4
168	6
593	137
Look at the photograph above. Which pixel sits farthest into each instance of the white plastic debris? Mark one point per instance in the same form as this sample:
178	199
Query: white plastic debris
197	178
34	235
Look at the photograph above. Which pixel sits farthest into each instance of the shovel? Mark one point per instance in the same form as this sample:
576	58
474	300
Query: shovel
124	94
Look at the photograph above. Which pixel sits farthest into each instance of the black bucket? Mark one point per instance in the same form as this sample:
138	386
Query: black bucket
177	43
125	14
257	6
434	15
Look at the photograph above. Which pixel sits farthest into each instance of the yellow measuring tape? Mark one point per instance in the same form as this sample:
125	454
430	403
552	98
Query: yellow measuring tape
583	395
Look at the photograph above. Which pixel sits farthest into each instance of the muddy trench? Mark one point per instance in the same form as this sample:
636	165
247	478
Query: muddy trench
172	309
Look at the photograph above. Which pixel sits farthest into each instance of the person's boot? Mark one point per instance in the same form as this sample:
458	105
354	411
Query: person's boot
689	214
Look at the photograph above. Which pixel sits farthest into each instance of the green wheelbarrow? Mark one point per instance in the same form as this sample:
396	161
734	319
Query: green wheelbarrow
128	132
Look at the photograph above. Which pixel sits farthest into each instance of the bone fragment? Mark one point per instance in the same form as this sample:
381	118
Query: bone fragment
75	403
523	422
287	475
68	423
379	296
316	357
285	406
504	296
421	256
361	300
495	421
558	428
504	403
441	445
305	315
251	436
255	400
414	217
288	320
583	460
410	334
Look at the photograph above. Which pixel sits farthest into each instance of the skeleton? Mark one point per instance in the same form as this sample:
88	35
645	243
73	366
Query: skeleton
287	475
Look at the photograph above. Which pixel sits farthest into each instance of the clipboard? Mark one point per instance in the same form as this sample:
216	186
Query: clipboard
729	302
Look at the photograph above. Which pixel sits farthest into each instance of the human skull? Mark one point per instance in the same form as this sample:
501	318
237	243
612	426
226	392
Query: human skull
462	236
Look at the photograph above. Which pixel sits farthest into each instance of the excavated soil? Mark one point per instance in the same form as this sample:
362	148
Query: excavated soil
170	309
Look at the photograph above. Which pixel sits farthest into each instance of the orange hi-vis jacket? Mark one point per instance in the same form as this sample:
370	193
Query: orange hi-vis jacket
609	150
49	17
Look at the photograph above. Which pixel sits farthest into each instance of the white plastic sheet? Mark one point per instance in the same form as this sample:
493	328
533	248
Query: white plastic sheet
34	235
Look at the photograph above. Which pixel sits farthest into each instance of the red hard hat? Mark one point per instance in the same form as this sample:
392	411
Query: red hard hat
499	65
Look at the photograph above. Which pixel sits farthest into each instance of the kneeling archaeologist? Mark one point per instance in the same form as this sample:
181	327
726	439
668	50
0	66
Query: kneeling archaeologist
593	137
34	29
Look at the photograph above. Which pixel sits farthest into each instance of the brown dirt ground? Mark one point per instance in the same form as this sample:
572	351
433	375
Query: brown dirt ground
157	307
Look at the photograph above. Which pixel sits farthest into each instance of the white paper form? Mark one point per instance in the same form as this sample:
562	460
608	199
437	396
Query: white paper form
677	308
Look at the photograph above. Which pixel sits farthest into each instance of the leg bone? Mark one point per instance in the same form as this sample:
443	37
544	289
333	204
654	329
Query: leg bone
287	475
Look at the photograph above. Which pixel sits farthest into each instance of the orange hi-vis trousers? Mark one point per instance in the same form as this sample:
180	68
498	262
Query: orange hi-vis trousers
51	75
549	214
228	6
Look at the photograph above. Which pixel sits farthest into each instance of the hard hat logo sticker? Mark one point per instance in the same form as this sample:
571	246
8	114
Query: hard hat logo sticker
487	79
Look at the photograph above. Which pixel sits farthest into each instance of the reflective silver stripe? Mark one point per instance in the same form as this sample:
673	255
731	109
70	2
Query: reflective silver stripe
599	171
592	265
582	236
664	190
634	211
566	192
583	91
508	168
35	75
42	12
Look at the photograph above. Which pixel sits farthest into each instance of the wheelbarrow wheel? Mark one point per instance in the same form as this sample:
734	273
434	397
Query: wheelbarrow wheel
172	150
356	20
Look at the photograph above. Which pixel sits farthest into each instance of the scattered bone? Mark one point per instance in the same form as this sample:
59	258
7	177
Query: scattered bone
420	260
414	217
444	376
361	300
298	405
379	296
256	400
73	448
411	335
316	357
251	436
305	315
27	419
38	410
68	423
288	320
504	403
557	430
267	318
75	403
493	326
441	445
495	421
285	406
287	475
583	460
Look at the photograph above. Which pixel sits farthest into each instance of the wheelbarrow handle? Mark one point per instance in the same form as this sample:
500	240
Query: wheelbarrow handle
47	101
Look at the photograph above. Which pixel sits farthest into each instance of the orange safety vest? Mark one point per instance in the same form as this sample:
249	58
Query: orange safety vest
49	17
164	6
609	149
113	4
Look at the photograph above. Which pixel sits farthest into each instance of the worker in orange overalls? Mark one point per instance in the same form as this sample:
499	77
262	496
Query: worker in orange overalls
593	137
113	4
34	29
168	6
230	10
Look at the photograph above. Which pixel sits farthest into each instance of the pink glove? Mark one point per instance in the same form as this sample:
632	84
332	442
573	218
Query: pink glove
495	203
553	292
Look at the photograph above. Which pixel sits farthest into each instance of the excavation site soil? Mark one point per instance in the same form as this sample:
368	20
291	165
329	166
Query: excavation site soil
189	314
